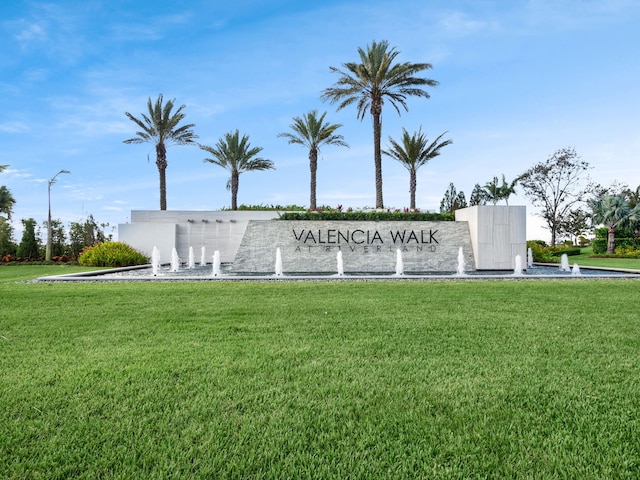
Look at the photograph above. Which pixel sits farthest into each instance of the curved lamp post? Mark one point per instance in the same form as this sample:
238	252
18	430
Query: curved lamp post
50	182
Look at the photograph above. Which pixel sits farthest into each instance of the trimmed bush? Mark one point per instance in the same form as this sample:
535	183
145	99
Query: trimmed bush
600	244
558	252
111	254
368	216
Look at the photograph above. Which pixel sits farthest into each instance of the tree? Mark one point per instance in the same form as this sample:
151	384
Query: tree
413	151
633	196
7	246
478	196
29	245
236	155
84	234
6	202
58	238
494	191
312	131
614	212
369	83
574	225
160	127
555	186
452	200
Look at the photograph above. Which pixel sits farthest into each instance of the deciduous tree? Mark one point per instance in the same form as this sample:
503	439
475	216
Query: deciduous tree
556	186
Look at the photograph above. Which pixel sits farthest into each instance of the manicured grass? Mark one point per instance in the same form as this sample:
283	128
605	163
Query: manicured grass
19	273
583	259
499	379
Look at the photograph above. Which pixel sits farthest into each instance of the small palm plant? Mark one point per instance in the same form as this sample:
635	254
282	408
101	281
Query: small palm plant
312	131
494	191
413	151
236	155
160	127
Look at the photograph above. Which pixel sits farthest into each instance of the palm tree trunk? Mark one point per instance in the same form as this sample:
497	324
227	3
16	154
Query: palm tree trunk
313	166
413	182
161	162
377	153
235	180
611	241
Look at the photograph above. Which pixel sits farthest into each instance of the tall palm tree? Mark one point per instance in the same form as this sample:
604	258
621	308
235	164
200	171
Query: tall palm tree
160	127
6	201
372	81
312	131
614	212
236	155
412	152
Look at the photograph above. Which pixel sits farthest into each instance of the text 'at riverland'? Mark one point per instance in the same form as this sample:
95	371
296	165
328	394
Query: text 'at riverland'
368	237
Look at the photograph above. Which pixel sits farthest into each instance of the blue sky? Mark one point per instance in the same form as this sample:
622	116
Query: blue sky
518	80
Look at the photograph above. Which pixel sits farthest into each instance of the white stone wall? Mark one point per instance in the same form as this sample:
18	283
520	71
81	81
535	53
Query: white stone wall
220	230
498	234
366	246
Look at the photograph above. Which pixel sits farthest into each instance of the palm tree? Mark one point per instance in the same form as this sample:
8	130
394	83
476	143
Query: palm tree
494	191
312	132
161	128
372	81
614	212
236	155
6	201
413	152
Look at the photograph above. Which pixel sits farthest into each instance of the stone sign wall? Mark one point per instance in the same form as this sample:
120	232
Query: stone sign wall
312	246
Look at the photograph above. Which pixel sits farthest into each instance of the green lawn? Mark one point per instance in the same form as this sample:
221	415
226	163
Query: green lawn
498	379
18	273
583	259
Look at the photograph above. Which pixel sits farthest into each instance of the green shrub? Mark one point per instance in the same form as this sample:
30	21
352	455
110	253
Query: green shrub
371	216
540	252
268	207
111	254
559	251
600	244
549	254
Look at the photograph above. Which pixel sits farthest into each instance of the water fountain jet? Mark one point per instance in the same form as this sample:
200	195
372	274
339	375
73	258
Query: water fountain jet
575	270
399	263
216	263
175	260
461	262
155	261
203	258
518	265
564	263
340	263
278	272
191	262
529	258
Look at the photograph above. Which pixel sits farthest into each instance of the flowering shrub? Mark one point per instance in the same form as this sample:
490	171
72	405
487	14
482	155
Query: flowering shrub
111	254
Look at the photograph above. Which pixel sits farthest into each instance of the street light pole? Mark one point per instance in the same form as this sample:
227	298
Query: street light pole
47	256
